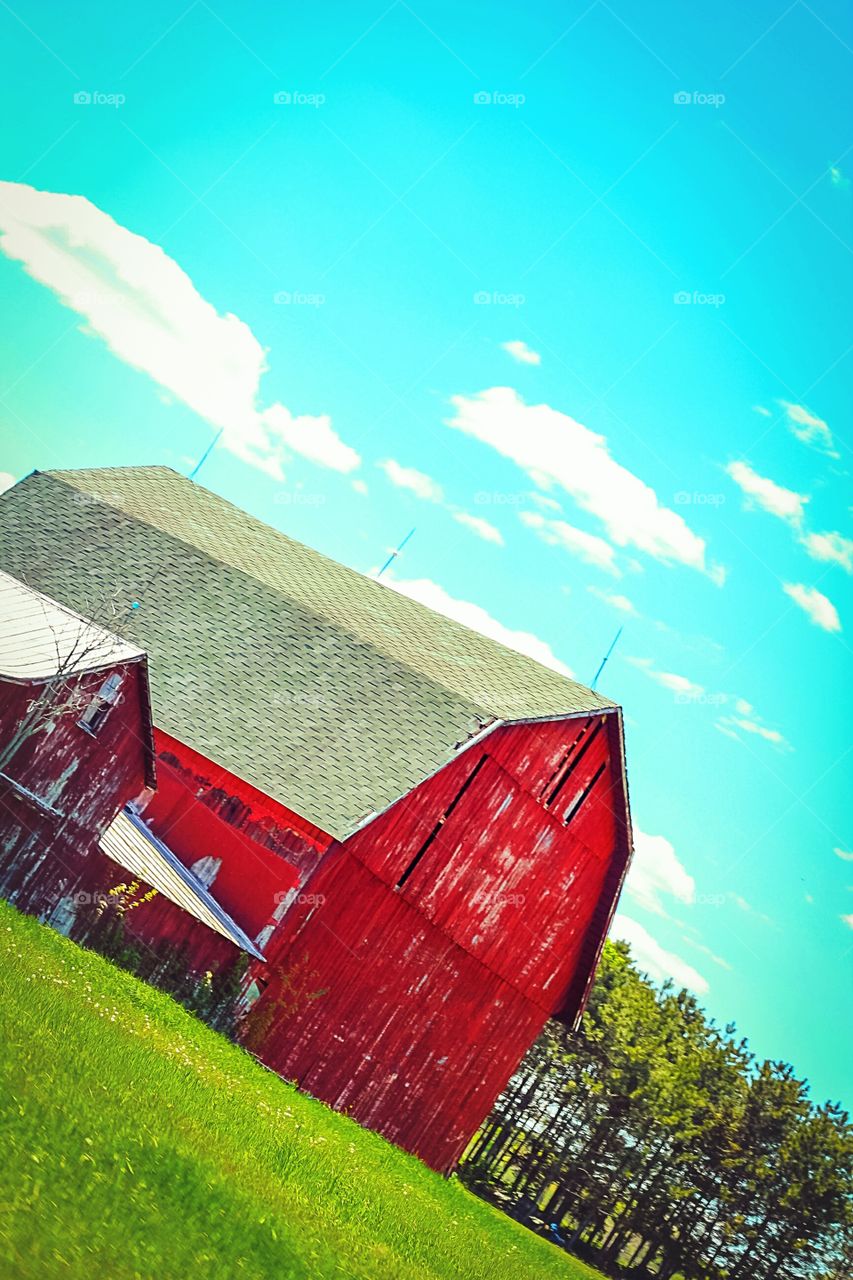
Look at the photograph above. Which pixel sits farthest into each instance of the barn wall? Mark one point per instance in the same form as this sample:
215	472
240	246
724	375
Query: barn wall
258	839
81	780
427	951
198	810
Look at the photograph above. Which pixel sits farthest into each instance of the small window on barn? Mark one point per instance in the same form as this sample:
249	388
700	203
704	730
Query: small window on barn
99	708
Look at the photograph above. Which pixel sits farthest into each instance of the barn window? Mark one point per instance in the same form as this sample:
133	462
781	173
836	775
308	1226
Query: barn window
436	831
578	800
559	781
99	708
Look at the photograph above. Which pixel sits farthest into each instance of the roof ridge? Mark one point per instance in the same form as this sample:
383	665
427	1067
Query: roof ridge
408	602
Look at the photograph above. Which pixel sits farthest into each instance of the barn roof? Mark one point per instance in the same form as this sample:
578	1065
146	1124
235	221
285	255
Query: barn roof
128	841
328	691
40	638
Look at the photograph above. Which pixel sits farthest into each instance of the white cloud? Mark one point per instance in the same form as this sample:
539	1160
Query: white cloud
810	429
747	720
784	503
313	437
546	503
6	481
360	487
148	311
830	547
760	409
844	854
587	546
752	726
669	679
483	528
478	619
706	951
819	607
654	959
748	909
421	485
522	353
655	871
848	920
619	602
555	449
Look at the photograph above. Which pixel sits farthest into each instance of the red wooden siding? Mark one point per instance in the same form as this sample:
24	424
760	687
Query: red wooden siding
374	1010
242	806
429	948
253	877
84	779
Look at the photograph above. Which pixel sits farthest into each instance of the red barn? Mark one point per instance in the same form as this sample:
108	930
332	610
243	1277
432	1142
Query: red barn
424	832
75	745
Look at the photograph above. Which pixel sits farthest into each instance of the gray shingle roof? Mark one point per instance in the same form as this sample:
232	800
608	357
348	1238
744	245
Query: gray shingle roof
326	690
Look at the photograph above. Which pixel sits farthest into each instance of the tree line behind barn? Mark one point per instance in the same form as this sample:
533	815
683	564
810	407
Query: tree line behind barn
650	1142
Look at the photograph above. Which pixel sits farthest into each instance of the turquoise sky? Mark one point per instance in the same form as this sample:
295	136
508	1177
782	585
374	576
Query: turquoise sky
652	205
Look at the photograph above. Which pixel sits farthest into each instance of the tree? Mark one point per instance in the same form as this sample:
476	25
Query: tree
657	1145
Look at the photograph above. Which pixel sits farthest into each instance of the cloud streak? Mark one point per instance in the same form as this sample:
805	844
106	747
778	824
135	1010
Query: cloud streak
654	959
417	482
479	619
656	872
555	450
149	313
818	608
521	352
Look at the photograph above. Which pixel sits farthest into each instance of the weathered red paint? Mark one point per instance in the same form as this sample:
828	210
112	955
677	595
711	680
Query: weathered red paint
224	820
426	952
241	805
64	786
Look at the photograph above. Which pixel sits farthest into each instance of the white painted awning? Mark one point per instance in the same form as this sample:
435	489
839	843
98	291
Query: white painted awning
130	843
40	638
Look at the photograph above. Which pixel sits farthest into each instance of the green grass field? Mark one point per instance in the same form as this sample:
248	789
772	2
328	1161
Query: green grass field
138	1143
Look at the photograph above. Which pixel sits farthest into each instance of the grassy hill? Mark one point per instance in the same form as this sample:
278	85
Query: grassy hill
138	1143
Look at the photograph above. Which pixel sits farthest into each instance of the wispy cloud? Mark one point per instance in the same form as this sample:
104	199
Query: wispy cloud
832	548
654	959
778	501
619	602
479	619
818	607
554	449
735	714
752	726
787	505
748	909
678	684
521	352
150	314
656	872
809	428
417	482
707	951
845	854
483	528
586	546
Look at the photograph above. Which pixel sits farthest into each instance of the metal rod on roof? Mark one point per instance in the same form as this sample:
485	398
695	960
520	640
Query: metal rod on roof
208	451
604	659
393	556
